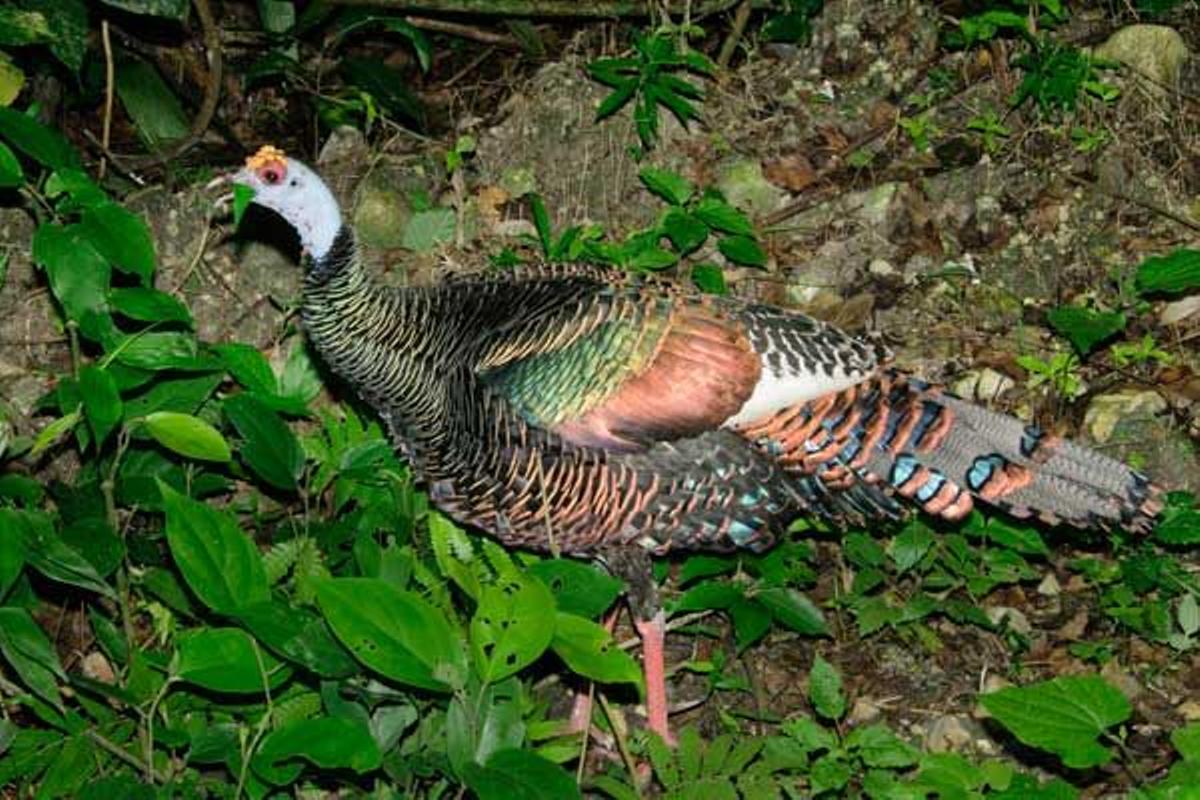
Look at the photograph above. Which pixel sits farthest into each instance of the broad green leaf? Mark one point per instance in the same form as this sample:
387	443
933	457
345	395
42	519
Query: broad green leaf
225	660
42	144
793	609
12	547
877	746
578	588
396	633
249	367
269	447
30	654
709	278
652	258
220	563
96	541
668	185
910	546
720	216
154	350
1187	741
70	770
589	650
1064	716
742	250
331	743
825	690
101	401
122	237
78	186
48	436
299	635
21	26
685	231
187	435
751	621
512	626
520	775
425	230
78	274
181	395
710	594
149	305
50	555
157	114
299	379
1174	273
11	173
1085	328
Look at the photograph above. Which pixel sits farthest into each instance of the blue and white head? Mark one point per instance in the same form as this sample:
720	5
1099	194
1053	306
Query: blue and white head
296	193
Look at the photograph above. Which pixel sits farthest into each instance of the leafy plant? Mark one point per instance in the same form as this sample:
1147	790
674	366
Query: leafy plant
647	79
1060	374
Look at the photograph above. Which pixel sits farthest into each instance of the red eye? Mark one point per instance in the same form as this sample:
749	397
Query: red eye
271	175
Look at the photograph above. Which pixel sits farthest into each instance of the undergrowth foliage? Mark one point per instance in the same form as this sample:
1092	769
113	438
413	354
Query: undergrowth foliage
270	607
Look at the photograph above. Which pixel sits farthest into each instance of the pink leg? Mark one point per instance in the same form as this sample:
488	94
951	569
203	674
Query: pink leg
653	633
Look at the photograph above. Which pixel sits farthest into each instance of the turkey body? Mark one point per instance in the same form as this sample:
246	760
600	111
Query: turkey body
576	409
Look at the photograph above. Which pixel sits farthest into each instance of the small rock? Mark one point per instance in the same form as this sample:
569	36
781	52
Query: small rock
96	667
1156	51
346	143
743	184
1179	310
1189	710
1074	628
881	267
1107	410
1117	676
953	734
864	710
1015	619
1049	586
982	384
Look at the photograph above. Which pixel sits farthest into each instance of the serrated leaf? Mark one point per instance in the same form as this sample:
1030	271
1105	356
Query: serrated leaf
396	633
187	435
220	563
1064	716
1178	526
910	546
825	690
668	185
720	216
742	250
589	650
1085	328
1174	273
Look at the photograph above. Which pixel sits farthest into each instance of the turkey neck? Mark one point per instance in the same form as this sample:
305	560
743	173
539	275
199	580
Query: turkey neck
394	345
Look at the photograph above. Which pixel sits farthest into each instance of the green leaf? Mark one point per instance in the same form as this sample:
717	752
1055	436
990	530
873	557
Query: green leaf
751	621
720	216
225	660
589	650
622	93
243	196
742	250
187	435
709	278
30	654
122	237
299	635
426	230
12	548
387	85
153	351
249	367
71	769
685	231
1174	273
512	627
157	114
396	633
78	274
1187	741
652	258
101	401
50	555
708	595
42	144
877	746
48	436
1063	716
794	610
910	546
578	588
825	690
520	775
149	305
331	743
219	562
97	542
11	173
668	185
269	448
1085	328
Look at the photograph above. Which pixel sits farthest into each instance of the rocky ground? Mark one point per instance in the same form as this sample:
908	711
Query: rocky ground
953	254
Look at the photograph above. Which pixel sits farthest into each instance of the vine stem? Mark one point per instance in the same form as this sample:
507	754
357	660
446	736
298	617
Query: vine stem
261	730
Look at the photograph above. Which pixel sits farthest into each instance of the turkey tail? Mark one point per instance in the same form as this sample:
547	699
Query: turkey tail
944	454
